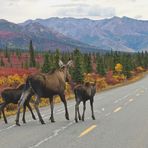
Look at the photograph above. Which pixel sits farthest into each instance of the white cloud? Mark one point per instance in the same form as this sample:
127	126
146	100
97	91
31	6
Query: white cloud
82	10
21	10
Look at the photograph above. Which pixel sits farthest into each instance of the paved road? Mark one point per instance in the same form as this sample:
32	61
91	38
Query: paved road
121	122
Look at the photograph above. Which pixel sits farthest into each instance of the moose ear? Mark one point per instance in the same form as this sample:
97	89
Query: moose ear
61	64
70	63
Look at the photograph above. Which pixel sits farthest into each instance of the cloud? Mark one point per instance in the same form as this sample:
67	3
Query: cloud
21	10
102	11
138	16
70	5
86	10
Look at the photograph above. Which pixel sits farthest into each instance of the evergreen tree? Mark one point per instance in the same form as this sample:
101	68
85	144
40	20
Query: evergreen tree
18	53
77	72
87	63
32	55
127	66
2	63
6	52
145	60
46	66
100	65
26	65
57	57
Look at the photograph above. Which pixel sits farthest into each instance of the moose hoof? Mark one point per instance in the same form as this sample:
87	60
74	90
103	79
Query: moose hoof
42	122
5	121
67	117
18	124
51	119
34	118
24	121
93	118
76	120
80	118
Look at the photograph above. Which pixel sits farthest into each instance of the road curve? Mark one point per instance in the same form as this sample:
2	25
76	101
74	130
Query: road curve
121	122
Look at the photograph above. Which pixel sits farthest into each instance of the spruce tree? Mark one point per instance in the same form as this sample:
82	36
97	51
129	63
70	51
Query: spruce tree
46	66
57	57
26	65
87	63
2	63
32	55
127	66
77	72
100	65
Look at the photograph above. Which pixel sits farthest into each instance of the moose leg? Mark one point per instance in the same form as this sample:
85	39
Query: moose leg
84	108
3	105
30	109
51	108
65	105
76	110
20	104
37	101
24	111
92	110
79	113
5	119
18	115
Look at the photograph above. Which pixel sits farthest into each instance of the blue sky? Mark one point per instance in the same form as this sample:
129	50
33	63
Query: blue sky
21	10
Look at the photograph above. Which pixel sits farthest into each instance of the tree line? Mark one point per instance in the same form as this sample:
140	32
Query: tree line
99	63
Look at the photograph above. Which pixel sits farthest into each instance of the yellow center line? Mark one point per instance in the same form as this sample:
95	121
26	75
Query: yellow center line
130	100
117	109
87	130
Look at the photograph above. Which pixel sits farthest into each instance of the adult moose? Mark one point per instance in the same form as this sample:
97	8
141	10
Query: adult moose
46	86
84	92
13	96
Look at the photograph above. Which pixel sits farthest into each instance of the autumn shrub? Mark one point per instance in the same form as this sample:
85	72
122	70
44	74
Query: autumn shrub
119	77
110	79
101	84
140	69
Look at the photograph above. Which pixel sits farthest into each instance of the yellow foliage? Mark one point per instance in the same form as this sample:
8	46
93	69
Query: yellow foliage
101	83
118	67
11	80
120	77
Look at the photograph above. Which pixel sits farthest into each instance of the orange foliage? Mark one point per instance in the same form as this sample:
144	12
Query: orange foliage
140	69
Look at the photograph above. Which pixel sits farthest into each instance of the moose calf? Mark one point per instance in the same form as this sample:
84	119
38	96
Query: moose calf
84	92
13	96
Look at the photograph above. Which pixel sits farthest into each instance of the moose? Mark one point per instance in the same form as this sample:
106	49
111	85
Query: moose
84	92
13	96
46	86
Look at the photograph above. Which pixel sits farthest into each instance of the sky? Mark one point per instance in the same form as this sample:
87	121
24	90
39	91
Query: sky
20	10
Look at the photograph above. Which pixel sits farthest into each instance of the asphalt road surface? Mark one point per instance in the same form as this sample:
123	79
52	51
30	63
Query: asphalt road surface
121	122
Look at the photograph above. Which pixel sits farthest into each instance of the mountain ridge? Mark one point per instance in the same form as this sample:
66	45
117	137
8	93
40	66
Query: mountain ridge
122	34
116	33
18	36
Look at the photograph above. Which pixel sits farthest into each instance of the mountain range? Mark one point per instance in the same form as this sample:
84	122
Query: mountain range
122	34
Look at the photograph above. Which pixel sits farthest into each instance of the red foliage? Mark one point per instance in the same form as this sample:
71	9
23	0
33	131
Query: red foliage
19	71
109	78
